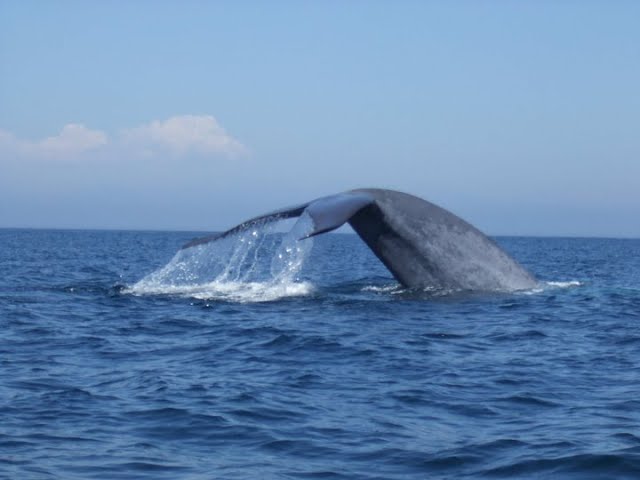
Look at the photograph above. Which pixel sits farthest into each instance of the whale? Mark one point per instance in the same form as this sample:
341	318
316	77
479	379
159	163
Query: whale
423	245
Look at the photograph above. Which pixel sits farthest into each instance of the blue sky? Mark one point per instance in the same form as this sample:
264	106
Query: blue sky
521	117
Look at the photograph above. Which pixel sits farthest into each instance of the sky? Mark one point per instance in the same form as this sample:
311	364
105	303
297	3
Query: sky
521	117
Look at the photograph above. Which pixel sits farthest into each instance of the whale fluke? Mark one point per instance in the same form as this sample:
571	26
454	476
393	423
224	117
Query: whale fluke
422	244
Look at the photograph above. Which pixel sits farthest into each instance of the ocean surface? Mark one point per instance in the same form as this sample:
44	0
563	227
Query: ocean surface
259	357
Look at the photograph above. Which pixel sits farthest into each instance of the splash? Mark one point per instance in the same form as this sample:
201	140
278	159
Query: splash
256	265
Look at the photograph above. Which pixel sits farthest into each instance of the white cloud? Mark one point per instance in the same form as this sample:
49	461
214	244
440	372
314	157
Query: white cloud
177	136
73	141
184	134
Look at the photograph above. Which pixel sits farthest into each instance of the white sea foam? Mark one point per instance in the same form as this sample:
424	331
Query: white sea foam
569	284
256	265
397	289
545	286
242	292
381	289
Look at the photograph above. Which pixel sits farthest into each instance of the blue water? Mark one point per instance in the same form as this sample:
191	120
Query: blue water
285	362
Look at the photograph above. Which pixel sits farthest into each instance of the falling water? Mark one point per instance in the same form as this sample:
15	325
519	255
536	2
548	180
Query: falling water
255	265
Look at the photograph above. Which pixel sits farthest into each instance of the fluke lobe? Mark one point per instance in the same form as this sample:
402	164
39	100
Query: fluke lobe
422	244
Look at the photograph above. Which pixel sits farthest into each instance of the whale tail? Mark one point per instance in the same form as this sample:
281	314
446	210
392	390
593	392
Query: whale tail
420	243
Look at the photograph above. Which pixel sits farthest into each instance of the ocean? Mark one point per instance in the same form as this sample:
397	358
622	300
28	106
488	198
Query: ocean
259	357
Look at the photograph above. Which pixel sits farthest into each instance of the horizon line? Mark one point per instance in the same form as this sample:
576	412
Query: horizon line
205	231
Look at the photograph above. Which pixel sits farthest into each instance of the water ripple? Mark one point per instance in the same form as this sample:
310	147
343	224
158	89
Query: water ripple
356	379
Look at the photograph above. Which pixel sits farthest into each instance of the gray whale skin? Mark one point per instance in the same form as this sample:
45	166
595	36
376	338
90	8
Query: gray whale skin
422	244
